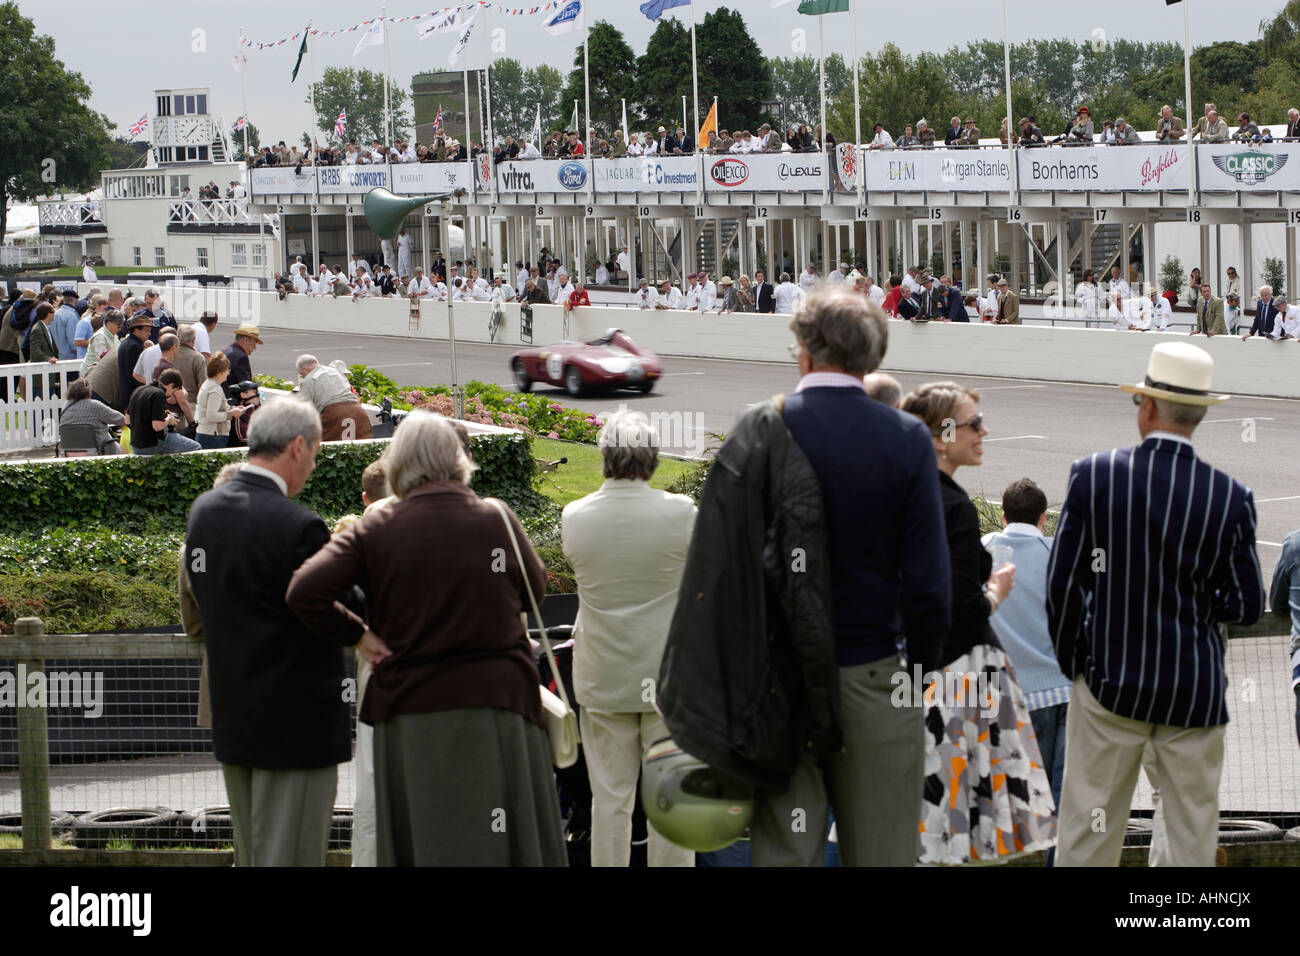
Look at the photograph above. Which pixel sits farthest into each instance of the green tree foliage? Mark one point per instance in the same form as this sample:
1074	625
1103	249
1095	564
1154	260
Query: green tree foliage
124	153
728	68
254	139
361	93
795	80
543	85
612	72
663	75
53	140
512	114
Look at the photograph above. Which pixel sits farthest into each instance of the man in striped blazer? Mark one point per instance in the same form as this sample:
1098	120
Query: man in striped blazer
1154	550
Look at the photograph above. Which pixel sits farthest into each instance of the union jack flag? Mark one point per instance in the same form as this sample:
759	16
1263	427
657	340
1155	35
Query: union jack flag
341	124
139	126
241	123
437	121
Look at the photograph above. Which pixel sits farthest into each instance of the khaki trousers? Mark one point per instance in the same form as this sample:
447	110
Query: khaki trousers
614	745
1102	754
281	817
874	783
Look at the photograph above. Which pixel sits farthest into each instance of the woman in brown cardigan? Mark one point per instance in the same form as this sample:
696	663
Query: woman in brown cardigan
463	772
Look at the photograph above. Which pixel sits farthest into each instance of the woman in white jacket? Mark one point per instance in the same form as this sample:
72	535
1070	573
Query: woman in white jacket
212	410
1087	296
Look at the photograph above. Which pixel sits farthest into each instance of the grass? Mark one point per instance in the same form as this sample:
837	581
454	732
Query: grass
70	271
583	473
14	841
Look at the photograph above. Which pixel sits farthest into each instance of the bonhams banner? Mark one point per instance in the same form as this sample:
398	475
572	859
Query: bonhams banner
422	179
937	170
1237	167
765	172
1143	166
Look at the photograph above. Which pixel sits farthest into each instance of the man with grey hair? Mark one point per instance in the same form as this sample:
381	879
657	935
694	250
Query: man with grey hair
884	388
627	545
190	362
278	729
343	418
851	589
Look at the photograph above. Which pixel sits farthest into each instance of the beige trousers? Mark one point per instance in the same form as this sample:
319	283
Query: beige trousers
1102	754
614	745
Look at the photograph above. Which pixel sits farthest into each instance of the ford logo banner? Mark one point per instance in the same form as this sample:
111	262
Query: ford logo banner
572	175
729	172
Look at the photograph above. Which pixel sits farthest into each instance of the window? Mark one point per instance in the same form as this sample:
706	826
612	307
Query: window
164	154
135	256
178	105
190	105
176	183
238	254
164	106
202	103
201	256
259	253
159	256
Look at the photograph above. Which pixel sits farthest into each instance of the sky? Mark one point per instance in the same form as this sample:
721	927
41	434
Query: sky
130	48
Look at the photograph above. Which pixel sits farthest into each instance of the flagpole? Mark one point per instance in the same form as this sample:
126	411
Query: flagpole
1187	92
695	99
821	92
686	127
586	80
1006	67
315	122
388	116
857	105
490	145
243	93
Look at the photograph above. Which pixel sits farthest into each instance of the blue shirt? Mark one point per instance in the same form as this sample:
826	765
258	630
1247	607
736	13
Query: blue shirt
85	329
63	329
1285	593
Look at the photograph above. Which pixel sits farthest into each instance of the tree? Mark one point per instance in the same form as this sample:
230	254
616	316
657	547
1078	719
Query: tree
53	140
660	79
728	70
794	84
254	140
124	153
612	71
897	89
543	86
512	112
361	93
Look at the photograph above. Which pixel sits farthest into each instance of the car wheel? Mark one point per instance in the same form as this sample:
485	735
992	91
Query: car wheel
573	381
646	387
522	381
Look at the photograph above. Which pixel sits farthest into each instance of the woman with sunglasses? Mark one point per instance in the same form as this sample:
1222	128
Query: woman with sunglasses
987	797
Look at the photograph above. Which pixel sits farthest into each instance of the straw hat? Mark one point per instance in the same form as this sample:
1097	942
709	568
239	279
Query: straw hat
1178	372
250	331
725	280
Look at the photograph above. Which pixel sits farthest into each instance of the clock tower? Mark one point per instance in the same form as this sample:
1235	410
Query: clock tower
183	131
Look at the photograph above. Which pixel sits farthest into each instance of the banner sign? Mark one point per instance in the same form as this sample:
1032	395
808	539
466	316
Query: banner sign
352	179
423	179
648	174
1245	168
1144	167
846	168
765	172
282	180
938	170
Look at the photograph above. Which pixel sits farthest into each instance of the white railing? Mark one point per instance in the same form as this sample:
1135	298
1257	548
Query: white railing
37	254
30	402
210	212
72	214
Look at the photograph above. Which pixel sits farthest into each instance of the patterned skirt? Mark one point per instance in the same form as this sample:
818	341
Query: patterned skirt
987	798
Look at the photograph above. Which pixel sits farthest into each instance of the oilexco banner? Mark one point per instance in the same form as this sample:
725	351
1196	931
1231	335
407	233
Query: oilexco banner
937	170
1143	167
422	179
283	180
1265	168
770	172
335	180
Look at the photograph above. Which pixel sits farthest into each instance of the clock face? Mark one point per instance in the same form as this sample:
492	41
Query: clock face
191	132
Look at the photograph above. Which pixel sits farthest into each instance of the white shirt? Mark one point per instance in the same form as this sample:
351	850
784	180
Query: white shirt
351	157
837	276
529	151
647	298
787	294
635	148
201	341
440	292
409	155
363	286
563	292
357	266
675	299
147	362
88	273
1286	323
1157	315
883	140
239	192
480	291
650	149
911	286
300	284
1087	296
706	296
503	293
521	278
404	244
297	268
386	247
876	294
421	286
624	263
602	275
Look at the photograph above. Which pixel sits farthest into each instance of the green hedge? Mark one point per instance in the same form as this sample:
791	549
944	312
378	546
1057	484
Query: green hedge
77	603
154	493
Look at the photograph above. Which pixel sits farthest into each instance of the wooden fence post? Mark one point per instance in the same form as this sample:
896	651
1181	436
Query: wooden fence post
33	746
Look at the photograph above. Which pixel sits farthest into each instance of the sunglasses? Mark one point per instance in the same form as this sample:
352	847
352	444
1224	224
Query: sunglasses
975	423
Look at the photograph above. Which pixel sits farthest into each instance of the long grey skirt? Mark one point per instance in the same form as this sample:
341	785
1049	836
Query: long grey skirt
472	787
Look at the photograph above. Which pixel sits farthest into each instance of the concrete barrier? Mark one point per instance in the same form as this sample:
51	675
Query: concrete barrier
1094	356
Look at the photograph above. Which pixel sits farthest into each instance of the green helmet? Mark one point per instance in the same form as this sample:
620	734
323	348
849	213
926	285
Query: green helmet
690	803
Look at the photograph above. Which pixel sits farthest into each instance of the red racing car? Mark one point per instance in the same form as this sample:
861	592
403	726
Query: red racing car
611	361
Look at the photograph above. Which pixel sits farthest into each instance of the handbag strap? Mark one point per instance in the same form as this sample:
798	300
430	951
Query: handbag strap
532	600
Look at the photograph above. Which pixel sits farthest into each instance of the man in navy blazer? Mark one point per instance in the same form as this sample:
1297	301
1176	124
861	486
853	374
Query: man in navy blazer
1265	311
1155	549
764	293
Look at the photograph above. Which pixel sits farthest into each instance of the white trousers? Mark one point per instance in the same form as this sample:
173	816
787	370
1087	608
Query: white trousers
1102	754
364	852
614	745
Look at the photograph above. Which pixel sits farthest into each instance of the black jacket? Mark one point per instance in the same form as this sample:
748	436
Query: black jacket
277	689
1265	312
971	566
765	297
749	679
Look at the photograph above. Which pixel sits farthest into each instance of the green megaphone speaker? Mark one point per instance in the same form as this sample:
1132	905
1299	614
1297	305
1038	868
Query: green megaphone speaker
385	212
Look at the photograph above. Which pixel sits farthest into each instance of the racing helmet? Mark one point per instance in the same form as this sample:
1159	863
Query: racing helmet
689	802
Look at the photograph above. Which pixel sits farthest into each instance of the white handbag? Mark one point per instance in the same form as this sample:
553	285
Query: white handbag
561	721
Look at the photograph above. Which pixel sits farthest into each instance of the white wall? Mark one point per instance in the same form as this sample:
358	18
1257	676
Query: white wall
1096	356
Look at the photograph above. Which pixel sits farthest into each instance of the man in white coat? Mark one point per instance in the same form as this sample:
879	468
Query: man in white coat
646	297
1157	314
404	253
787	295
627	544
1117	293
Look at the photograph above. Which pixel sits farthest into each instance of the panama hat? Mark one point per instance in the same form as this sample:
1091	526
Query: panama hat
250	331
725	280
1178	372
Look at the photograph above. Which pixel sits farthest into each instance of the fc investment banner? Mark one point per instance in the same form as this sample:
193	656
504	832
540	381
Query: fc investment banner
282	180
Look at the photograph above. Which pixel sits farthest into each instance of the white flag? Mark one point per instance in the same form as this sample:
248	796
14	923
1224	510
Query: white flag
437	24
462	42
626	132
537	128
576	121
565	20
374	36
241	63
780	3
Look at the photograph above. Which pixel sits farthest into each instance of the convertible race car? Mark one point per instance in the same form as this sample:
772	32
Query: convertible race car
611	361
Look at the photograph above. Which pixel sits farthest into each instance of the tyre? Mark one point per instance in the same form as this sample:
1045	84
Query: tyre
142	827
1137	831
522	381
13	822
1239	830
208	827
1292	835
341	829
645	388
573	380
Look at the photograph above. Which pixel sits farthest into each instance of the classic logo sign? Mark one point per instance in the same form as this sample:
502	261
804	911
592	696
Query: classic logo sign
1251	166
729	172
572	175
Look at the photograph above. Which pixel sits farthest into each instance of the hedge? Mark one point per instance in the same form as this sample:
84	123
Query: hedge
153	493
77	602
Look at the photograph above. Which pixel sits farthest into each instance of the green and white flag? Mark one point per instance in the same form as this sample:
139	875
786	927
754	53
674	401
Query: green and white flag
816	8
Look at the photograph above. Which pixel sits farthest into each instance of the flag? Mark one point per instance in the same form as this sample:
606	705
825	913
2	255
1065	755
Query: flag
462	42
241	123
566	19
440	23
537	128
627	133
241	63
710	126
302	50
654	9
374	36
574	125
437	121
341	124
140	126
816	8
781	3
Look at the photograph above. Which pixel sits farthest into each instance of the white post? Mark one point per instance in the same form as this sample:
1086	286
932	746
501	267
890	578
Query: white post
586	81
490	144
695	99
857	107
315	122
243	94
1011	130
1187	92
821	92
388	115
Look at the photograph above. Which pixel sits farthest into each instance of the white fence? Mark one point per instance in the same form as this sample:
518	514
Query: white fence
77	213
30	402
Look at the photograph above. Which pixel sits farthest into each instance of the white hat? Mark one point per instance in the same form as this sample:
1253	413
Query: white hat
1181	373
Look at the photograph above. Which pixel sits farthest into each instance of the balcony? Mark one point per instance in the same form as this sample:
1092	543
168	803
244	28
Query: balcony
209	216
78	218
